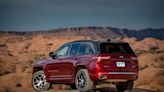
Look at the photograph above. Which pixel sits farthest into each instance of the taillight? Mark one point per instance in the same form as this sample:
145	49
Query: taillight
134	58
134	62
100	58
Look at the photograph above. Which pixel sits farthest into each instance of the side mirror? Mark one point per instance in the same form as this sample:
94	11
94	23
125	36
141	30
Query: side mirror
52	55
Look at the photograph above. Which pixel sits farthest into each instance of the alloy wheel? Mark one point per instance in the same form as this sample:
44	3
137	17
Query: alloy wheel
81	80
39	82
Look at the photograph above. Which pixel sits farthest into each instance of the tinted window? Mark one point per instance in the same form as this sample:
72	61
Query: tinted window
96	47
63	51
85	49
74	49
115	48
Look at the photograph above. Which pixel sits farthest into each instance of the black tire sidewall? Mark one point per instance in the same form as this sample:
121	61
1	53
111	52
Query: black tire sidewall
89	83
127	86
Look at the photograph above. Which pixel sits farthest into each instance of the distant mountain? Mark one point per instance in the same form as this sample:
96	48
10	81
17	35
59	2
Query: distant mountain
103	32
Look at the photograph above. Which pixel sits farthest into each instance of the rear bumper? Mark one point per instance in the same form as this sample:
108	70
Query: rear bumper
115	76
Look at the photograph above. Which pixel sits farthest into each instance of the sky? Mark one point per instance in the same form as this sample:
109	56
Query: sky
30	15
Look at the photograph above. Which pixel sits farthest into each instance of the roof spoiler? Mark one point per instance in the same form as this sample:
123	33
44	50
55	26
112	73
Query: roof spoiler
108	40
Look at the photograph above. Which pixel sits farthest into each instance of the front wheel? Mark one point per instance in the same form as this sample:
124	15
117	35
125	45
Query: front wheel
82	81
125	86
39	81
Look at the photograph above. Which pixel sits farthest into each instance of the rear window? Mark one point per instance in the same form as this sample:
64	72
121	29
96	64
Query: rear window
115	48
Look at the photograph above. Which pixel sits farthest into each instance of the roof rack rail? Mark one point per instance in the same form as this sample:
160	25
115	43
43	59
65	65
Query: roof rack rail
84	41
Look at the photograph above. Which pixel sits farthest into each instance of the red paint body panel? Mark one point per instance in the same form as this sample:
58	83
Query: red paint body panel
63	69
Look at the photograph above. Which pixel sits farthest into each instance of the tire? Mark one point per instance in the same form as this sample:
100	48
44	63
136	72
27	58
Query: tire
39	82
125	87
82	81
73	86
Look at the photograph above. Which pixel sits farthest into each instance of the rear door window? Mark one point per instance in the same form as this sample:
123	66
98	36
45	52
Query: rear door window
85	49
74	50
115	48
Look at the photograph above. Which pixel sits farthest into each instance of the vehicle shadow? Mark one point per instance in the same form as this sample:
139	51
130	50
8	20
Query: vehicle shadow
114	90
102	90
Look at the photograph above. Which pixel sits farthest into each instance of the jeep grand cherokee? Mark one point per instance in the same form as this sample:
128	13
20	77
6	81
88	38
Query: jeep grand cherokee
86	63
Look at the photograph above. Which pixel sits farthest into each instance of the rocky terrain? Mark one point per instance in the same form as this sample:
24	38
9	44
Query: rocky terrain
19	52
96	32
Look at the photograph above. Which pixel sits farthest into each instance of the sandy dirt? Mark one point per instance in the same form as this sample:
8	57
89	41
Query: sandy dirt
18	53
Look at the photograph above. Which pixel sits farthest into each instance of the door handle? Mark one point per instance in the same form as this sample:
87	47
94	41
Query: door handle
60	59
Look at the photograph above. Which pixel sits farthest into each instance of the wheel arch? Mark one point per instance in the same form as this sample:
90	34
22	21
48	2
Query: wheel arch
38	68
80	67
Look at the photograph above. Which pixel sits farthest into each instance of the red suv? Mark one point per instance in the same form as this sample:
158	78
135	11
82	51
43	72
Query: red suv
86	63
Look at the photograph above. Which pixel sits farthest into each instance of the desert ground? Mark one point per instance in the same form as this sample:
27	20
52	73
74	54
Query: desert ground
18	53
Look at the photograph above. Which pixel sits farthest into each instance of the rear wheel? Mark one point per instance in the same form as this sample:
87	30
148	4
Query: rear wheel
39	81
82	81
73	86
126	86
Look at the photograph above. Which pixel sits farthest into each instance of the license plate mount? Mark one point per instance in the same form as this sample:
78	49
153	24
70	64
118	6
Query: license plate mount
120	64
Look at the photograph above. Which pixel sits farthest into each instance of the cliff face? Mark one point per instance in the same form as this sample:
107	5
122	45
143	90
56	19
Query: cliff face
141	34
98	32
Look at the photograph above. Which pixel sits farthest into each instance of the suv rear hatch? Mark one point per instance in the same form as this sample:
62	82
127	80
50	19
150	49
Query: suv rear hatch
117	58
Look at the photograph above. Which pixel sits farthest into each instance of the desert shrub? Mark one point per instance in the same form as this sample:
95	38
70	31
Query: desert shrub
7	90
31	61
139	52
144	67
10	54
158	90
160	51
153	49
18	85
161	58
2	45
40	56
3	72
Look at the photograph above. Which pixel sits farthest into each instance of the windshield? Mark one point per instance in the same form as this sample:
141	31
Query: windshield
115	48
